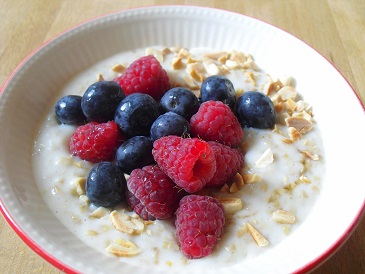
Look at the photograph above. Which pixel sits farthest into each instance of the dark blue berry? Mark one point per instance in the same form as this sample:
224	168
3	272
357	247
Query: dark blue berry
218	88
134	153
256	110
105	185
136	113
100	101
181	101
169	123
68	110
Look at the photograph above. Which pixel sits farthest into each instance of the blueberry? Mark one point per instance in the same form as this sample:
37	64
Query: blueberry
105	185
256	110
218	88
169	123
134	153
181	101
68	110
100	101
136	113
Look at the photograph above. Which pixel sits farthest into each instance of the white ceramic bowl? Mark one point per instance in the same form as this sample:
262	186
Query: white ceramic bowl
40	77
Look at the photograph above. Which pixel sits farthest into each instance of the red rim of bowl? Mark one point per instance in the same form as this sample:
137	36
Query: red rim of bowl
63	267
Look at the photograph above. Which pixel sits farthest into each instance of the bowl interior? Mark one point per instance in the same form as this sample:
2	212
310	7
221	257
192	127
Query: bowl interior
27	95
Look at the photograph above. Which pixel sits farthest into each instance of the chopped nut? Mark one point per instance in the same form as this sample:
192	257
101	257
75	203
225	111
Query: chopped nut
259	238
196	71
282	117
231	205
251	178
84	199
123	248
156	53
311	156
237	56
238	180
291	104
225	188
279	107
301	105
211	68
294	134
191	60
166	51
148	222
303	114
266	159
287	92
283	217
299	123
177	63
276	99
125	223
272	86
288	141
100	212
233	188
79	183
99	77
232	64
305	179
91	232
118	68
250	64
184	53
287	81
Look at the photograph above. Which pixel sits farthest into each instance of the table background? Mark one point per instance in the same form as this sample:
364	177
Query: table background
335	28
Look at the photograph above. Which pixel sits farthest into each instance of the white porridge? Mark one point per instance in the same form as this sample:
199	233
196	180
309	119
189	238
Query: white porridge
282	167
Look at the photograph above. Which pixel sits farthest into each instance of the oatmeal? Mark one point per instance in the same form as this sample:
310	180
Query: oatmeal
266	200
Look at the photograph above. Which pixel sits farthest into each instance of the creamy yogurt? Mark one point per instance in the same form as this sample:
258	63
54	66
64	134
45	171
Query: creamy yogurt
289	180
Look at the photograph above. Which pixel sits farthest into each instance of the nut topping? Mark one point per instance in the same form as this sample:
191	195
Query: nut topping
123	248
257	236
287	92
299	123
283	217
309	155
125	223
231	205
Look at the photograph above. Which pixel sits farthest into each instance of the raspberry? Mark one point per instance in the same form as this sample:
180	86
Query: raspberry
229	161
155	191
215	121
189	162
138	207
96	142
199	225
145	75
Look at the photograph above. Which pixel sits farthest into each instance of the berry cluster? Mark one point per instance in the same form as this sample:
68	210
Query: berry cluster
170	143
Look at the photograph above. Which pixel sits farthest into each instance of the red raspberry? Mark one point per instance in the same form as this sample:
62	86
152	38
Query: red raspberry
96	142
189	162
199	225
145	75
155	191
215	121
229	162
138	207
